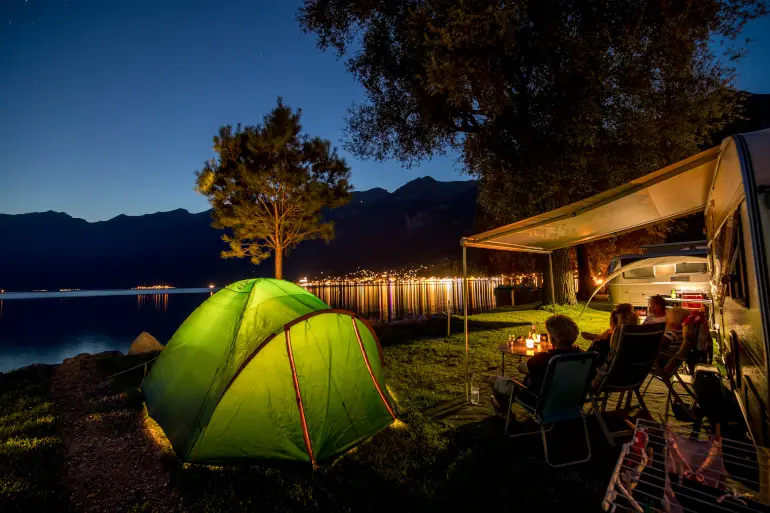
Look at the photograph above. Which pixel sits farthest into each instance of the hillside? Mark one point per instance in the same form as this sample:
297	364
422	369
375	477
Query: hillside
419	223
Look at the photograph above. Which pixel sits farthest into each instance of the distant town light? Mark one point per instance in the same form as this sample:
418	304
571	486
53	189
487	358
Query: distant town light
211	286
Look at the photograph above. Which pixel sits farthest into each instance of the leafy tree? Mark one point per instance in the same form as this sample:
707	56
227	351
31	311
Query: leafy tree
546	101
269	184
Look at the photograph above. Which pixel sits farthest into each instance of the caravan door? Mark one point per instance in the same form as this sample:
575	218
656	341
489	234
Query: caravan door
736	217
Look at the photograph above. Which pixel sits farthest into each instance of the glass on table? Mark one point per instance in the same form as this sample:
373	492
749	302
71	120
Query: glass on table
474	394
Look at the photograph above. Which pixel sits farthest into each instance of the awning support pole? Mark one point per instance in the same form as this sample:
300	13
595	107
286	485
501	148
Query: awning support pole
553	290
465	311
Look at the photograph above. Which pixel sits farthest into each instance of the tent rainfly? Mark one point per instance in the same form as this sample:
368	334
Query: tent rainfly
265	370
669	193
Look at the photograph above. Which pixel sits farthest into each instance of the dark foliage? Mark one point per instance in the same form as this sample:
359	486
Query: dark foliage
548	102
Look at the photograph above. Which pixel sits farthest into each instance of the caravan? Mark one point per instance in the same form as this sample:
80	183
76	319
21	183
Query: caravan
663	269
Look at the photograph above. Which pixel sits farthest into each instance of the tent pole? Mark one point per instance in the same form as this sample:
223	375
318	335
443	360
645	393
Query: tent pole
449	313
465	311
553	290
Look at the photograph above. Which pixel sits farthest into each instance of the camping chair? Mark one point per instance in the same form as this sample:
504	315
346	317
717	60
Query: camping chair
635	349
560	399
666	369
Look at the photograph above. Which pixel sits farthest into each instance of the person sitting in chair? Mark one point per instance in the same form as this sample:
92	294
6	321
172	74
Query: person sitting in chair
657	311
562	332
672	338
623	314
618	310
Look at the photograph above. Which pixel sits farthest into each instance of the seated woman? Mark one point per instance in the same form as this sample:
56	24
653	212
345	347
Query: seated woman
623	314
619	309
562	331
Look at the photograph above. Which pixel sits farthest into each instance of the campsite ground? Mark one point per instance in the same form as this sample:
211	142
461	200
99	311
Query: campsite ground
69	439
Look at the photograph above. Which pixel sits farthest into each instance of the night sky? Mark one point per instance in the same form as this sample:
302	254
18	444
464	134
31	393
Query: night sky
108	107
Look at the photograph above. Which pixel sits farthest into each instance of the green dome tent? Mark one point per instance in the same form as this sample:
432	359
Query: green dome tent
265	370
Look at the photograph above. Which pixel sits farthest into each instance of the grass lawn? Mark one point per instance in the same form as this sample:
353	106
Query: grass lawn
30	445
425	369
418	464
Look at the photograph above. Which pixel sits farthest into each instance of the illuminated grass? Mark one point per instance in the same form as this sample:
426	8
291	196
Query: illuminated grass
30	445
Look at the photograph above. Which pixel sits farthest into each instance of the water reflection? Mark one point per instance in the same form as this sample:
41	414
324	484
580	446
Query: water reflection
51	329
392	301
47	330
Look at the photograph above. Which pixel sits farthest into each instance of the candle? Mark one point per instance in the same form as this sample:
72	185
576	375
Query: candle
530	343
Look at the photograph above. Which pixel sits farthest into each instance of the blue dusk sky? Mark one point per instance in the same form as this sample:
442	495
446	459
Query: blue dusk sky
108	107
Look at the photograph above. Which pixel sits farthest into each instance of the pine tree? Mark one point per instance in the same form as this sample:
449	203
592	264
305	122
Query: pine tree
269	185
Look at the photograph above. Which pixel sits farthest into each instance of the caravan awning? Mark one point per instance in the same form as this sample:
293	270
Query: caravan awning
669	193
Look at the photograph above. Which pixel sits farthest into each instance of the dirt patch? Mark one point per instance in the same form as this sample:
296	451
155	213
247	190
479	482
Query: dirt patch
111	463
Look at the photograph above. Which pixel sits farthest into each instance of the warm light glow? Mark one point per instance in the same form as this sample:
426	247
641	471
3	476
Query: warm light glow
598	281
153	287
155	433
211	286
530	343
397	424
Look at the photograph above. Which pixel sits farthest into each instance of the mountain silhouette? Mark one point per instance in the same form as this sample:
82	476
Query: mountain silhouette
420	223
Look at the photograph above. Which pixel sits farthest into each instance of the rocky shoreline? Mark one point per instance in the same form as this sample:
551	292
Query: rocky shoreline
144	343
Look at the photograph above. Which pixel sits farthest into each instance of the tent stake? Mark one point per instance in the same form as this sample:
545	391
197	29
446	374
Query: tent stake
465	311
553	291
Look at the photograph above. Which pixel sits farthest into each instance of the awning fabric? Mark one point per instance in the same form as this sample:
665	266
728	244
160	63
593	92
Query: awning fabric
669	193
647	262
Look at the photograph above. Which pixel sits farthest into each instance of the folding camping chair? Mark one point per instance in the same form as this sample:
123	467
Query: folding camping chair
666	369
560	399
635	351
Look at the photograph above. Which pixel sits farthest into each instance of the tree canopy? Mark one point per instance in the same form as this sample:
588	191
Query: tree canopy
269	184
547	102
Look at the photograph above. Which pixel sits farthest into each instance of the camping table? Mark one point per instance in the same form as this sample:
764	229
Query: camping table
520	349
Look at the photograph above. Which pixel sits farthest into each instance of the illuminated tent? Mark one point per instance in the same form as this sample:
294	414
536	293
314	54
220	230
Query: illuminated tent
265	370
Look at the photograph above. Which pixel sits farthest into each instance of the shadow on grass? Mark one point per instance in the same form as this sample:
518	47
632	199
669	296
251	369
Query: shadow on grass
504	473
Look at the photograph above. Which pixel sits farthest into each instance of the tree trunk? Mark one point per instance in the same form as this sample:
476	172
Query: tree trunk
279	263
564	280
585	280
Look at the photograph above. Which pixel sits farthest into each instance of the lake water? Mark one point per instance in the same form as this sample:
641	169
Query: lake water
48	327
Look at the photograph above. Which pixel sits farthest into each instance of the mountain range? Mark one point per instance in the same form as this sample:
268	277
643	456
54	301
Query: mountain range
420	223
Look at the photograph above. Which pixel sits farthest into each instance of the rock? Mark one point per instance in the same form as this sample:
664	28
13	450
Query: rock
145	343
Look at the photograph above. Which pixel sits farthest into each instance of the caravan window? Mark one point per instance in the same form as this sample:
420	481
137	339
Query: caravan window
691	268
737	287
642	272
